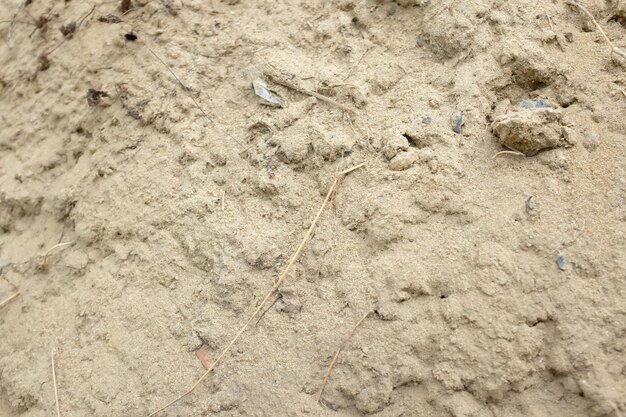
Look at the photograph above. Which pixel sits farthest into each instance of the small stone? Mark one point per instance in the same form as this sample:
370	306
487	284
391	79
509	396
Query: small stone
560	262
68	29
458	122
402	161
569	36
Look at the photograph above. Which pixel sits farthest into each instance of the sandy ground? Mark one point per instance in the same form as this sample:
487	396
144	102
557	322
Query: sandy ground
497	286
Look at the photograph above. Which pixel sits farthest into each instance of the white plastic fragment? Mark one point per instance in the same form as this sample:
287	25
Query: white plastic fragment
261	89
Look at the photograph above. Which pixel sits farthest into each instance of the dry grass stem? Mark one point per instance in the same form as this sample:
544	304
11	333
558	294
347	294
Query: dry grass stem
334	360
54	383
278	80
279	281
44	263
58	245
516	153
9	299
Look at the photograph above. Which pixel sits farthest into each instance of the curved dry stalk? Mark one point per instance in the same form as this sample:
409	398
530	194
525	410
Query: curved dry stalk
279	281
44	263
58	245
334	360
508	153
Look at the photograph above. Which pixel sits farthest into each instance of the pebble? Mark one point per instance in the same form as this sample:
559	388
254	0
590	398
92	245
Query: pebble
534	104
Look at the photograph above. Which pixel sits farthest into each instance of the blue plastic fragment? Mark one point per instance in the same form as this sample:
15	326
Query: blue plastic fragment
560	262
535	104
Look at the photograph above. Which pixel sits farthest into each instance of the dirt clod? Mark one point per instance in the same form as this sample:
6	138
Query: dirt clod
402	160
529	130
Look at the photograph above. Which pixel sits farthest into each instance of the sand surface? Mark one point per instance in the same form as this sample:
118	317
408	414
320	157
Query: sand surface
497	286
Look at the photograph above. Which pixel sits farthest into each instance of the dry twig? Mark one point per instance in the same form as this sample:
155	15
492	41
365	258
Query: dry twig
278	80
277	284
334	360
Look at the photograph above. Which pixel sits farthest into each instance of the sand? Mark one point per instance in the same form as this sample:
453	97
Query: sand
496	285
